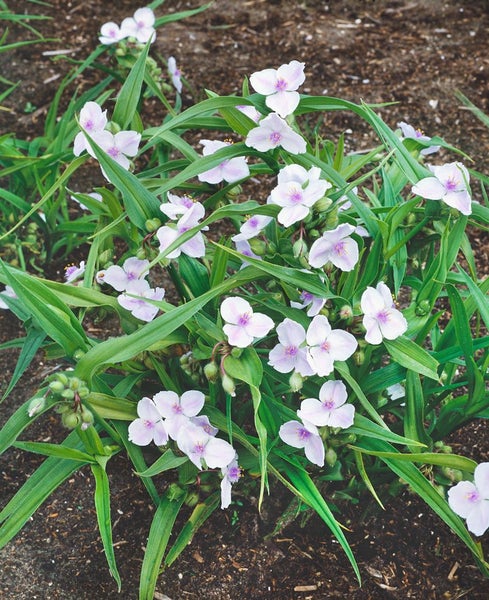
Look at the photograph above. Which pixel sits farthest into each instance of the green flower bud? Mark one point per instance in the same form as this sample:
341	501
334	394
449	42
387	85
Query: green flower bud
359	357
322	204
454	475
83	392
211	371
259	247
56	387
68	394
71	420
423	308
236	352
330	457
234	192
87	416
74	383
228	385
345	312
296	381
152	224
36	405
299	248
78	354
192	499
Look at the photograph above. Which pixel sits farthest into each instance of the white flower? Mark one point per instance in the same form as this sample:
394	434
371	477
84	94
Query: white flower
92	120
296	192
135	296
242	324
195	246
381	318
331	408
304	436
149	426
230	170
175	74
122	277
140	26
203	449
337	247
110	33
230	475
251	227
279	86
471	500
250	112
272	132
448	184
409	132
178	206
326	345
118	146
178	410
314	303
73	272
290	354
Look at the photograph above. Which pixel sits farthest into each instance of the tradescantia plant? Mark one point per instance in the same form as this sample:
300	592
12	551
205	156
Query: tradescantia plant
281	309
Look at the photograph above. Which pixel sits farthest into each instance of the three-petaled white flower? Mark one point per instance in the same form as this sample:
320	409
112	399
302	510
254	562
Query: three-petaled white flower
290	354
176	410
272	132
195	246
230	475
381	318
326	345
202	448
149	425
92	120
251	227
134	299
243	326
297	190
449	184
178	206
118	146
279	86
121	277
337	247
230	170
140	26
299	435
314	304
74	272
409	132
110	33
471	500
331	409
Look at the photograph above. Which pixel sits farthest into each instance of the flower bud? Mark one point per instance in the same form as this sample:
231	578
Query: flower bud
345	312
259	247
78	354
68	394
228	385
322	204
299	248
423	308
192	499
57	387
152	224
74	383
330	457
36	405
236	352
87	416
455	475
83	392
211	371
359	357
71	420
296	381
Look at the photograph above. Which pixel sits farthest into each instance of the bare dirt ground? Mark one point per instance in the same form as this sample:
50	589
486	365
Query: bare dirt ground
414	53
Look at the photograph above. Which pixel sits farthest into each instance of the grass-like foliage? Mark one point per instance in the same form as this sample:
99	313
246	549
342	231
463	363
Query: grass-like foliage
282	303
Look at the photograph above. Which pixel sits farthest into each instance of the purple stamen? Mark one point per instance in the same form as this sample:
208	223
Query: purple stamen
275	138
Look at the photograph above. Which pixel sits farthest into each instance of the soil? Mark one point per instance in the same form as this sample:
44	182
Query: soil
414	53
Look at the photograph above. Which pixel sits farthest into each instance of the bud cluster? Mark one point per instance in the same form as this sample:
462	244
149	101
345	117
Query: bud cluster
71	391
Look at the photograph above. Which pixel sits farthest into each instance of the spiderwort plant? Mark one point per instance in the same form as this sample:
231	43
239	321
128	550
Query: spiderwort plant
277	350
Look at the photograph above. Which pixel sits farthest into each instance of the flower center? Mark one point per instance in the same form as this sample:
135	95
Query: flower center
383	316
473	496
244	319
304	434
451	184
296	196
291	350
325	346
148	424
328	404
177	409
339	248
275	138
113	151
89	125
234	473
281	85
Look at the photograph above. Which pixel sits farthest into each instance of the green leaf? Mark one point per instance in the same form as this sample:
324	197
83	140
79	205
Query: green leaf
102	508
57	450
128	98
159	534
32	342
415	404
413	357
165	462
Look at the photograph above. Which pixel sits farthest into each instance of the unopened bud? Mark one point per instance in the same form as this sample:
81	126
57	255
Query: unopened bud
152	225
236	352
322	204
68	394
71	420
228	385
359	357
330	457
259	247
296	381
345	312
56	387
423	308
211	371
299	248
78	354
36	405
454	475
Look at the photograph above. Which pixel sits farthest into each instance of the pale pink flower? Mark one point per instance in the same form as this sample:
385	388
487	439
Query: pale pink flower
409	132
9	293
178	410
290	353
230	170
243	326
449	184
178	206
272	132
92	120
175	74
230	475
140	26
122	277
314	303
110	33
251	227
326	345
279	86
331	408
118	146
74	272
297	190
202	449
149	426
381	318
135	296
195	246
305	436
337	247
471	500
250	111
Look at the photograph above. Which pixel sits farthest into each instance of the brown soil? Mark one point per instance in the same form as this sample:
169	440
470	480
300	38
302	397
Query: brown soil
413	52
